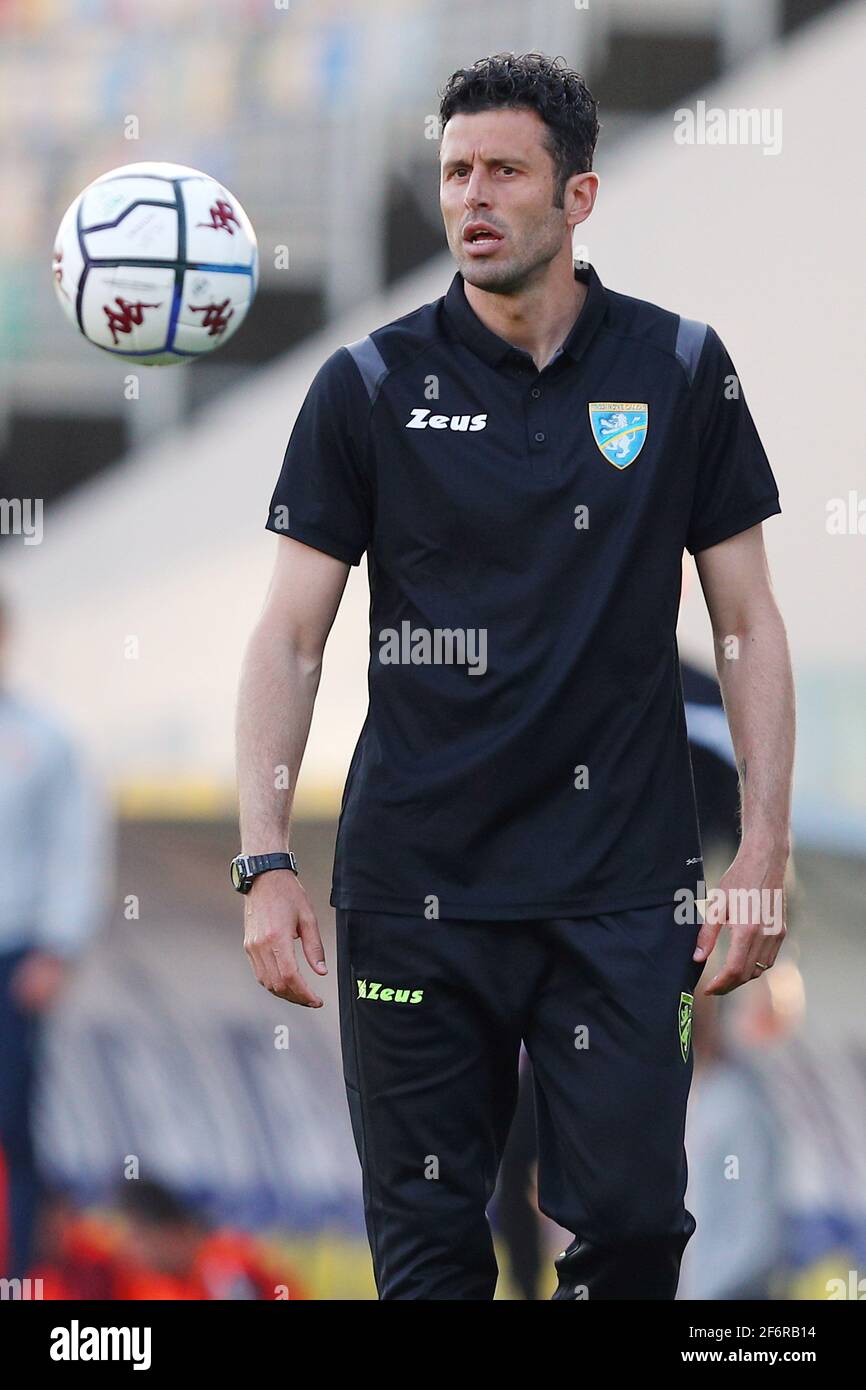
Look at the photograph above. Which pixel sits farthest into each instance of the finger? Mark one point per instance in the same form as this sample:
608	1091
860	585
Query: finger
739	953
715	916
296	991
292	985
311	943
772	934
757	952
253	951
770	949
264	965
706	942
775	933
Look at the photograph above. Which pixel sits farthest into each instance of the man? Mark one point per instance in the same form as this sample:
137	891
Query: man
52	899
524	461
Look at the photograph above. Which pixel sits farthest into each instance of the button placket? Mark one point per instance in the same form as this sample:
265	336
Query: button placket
538	434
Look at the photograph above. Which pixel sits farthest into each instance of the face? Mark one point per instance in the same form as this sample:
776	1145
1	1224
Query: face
496	169
169	1249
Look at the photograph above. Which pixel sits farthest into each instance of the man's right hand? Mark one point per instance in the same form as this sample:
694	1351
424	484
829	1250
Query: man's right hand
277	912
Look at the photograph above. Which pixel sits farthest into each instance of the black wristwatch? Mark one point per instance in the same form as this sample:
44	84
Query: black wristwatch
245	867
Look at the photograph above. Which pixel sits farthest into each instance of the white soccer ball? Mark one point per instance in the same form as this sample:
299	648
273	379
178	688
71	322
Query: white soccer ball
157	263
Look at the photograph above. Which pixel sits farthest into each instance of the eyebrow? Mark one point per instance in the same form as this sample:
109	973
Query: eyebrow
496	159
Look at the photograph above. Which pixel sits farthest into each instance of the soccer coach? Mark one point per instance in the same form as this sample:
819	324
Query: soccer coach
523	461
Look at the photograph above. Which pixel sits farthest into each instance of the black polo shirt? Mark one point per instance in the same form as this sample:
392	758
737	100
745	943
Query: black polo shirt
525	751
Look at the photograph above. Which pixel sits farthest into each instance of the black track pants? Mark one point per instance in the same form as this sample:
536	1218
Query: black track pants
431	1018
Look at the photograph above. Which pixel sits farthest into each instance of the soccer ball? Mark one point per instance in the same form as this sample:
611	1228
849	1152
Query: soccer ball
156	263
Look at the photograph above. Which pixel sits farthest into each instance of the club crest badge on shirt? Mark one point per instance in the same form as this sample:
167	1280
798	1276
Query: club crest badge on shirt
619	428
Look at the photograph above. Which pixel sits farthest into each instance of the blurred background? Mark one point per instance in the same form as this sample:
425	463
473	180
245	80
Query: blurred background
142	1044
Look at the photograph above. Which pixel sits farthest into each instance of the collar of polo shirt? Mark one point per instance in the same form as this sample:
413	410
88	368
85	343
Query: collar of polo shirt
491	348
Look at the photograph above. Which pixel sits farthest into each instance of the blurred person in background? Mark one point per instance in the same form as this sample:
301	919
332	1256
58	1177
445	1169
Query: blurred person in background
53	827
736	1155
168	1250
76	1253
154	1245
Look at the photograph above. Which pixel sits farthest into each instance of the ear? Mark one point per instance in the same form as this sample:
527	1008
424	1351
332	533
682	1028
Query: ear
580	195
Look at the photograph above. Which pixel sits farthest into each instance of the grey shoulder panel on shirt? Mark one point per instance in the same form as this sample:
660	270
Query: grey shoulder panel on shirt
689	345
370	363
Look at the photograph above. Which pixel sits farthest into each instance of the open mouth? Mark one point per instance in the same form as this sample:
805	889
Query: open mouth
480	238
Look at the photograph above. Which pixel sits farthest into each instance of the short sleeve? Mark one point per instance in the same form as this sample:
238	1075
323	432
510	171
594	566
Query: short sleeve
735	487
322	496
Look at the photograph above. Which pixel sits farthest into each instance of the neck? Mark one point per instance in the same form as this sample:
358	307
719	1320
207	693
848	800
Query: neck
539	316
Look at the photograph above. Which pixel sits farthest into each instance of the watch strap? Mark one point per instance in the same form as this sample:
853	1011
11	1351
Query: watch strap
261	863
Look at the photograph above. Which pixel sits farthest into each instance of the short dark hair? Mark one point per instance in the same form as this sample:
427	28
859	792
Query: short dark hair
559	95
155	1205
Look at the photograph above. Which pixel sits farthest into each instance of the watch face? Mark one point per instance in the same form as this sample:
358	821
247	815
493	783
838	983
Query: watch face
237	875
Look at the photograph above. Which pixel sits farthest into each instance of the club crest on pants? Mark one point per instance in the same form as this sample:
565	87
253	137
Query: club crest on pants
685	1023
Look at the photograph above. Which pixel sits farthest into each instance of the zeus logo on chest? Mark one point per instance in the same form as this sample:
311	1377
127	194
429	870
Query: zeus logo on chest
422	419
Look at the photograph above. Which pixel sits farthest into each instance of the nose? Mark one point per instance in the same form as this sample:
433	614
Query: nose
477	194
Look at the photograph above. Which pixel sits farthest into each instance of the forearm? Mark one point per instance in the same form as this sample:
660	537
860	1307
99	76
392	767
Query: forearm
276	695
758	691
